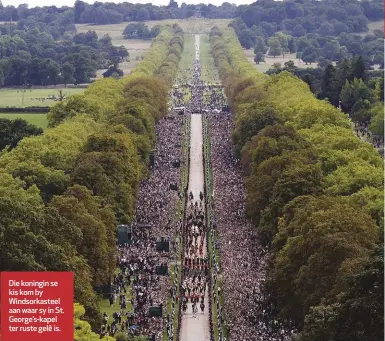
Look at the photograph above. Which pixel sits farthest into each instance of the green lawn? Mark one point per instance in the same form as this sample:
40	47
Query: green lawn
189	26
106	308
187	60
32	97
138	47
39	120
135	47
209	72
193	25
376	25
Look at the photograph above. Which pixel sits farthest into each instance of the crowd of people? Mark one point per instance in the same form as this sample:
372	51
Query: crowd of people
243	258
195	262
194	290
194	236
361	129
138	261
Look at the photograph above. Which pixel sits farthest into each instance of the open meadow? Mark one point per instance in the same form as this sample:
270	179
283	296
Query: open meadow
192	25
37	119
209	71
22	98
376	25
135	47
270	60
138	47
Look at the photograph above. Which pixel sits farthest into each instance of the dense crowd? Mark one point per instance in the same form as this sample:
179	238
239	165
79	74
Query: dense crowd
243	258
195	263
362	131
194	236
154	219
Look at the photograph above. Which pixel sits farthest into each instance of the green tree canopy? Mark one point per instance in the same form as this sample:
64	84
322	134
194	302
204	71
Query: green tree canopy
357	313
323	236
12	131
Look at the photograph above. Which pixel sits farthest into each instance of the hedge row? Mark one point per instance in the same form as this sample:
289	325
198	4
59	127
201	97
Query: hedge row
62	193
28	110
315	193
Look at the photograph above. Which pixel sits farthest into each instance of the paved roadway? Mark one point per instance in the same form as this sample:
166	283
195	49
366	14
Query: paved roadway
196	328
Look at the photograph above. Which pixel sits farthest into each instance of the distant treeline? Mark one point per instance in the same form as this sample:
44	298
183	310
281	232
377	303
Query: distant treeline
309	14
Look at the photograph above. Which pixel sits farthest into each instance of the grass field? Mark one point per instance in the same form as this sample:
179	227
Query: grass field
189	26
138	47
39	120
135	47
186	63
185	70
376	25
269	61
106	308
193	25
209	72
32	97
373	25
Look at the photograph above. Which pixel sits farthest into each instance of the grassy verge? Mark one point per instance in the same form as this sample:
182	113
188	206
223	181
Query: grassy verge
212	247
187	60
115	307
179	215
185	70
209	189
33	97
209	73
37	119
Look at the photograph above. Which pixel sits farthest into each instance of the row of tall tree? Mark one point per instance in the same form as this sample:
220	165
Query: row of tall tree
315	193
62	193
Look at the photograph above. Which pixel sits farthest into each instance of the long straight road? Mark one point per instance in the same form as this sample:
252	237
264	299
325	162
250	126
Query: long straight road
196	180
196	326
